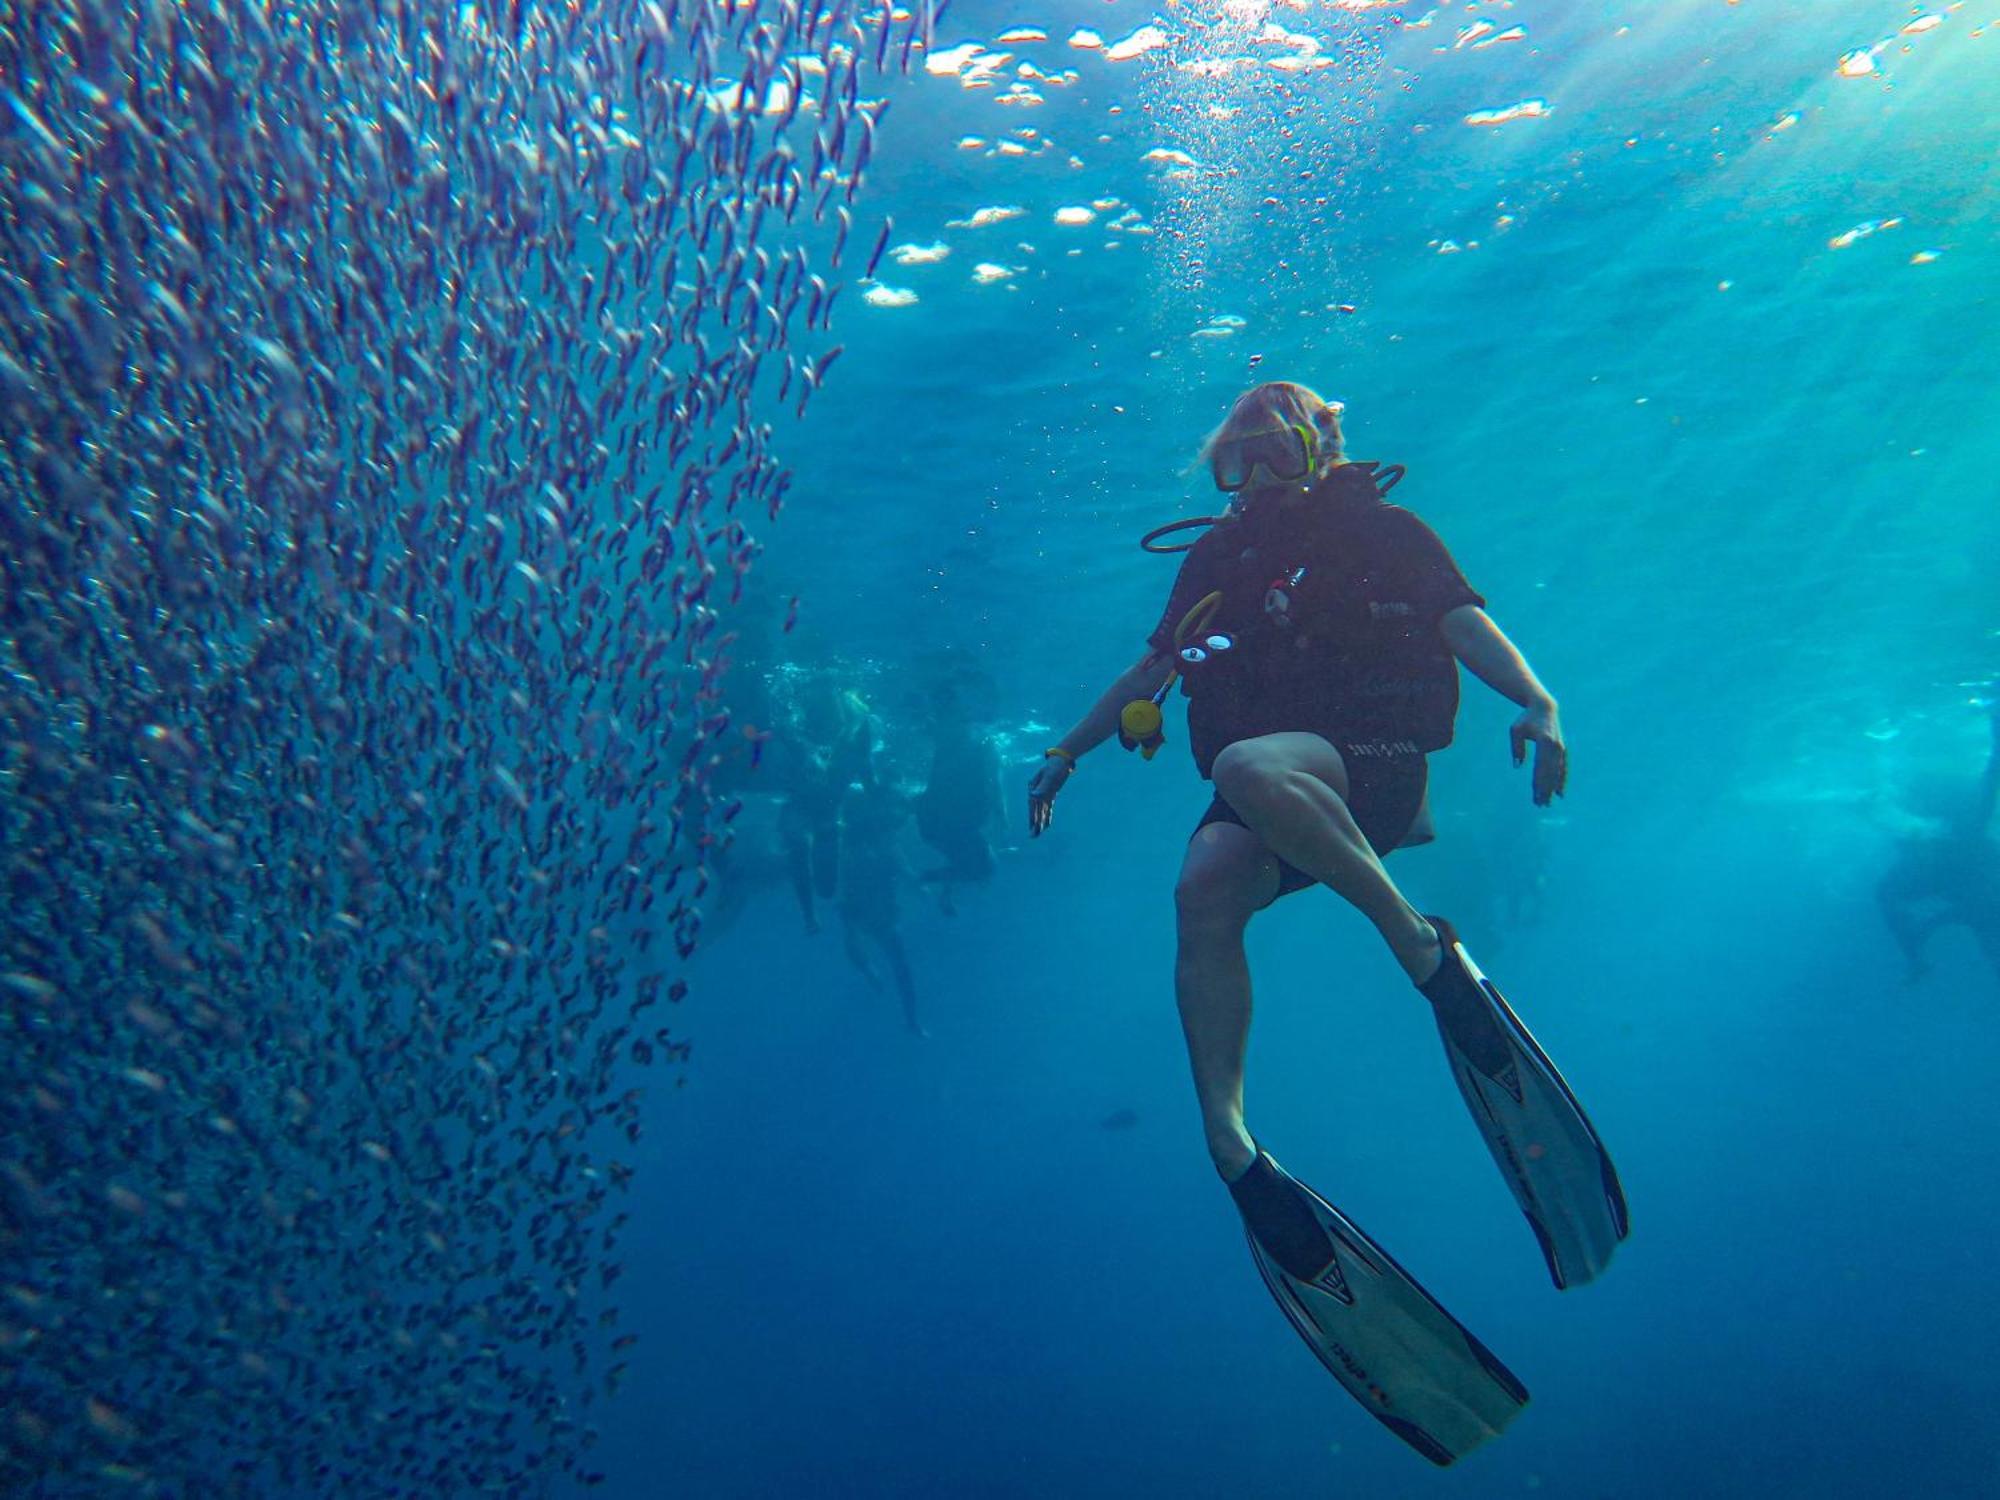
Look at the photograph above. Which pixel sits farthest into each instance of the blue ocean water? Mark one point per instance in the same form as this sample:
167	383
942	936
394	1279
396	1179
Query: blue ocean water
393	400
1691	364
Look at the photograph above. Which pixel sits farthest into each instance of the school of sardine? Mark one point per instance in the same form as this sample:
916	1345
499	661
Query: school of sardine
389	394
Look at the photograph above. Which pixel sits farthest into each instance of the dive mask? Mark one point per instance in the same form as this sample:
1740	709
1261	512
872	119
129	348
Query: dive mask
1285	453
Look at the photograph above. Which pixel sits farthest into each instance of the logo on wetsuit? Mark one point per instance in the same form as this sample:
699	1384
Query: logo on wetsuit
1380	749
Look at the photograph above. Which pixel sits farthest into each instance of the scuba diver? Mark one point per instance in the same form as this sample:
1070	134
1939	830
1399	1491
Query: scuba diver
1950	876
826	744
1316	630
960	804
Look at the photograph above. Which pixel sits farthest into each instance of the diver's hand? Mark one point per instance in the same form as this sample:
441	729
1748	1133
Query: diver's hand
1042	791
1539	722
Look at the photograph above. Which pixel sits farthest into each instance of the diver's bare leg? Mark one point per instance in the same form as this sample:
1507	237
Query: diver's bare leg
850	942
1226	877
796	841
891	944
1289	789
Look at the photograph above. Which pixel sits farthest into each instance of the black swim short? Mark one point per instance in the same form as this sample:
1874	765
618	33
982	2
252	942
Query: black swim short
1384	793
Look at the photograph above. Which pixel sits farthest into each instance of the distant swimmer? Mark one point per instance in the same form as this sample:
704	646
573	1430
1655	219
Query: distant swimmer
1949	876
1316	632
959	808
825	745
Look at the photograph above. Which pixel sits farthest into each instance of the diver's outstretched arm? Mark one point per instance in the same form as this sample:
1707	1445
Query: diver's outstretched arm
1140	680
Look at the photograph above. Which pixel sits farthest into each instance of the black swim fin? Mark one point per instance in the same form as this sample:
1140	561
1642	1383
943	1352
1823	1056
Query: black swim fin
1415	1368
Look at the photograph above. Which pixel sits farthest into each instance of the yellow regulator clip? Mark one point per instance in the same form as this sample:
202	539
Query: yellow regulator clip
1139	725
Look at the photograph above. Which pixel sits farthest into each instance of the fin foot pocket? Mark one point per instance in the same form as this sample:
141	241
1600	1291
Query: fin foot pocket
1280	1220
1464	1014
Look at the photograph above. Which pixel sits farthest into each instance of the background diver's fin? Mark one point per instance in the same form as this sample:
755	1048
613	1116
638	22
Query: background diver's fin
1413	1365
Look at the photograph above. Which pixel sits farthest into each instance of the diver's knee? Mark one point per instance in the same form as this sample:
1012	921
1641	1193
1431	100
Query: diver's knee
1241	770
1210	902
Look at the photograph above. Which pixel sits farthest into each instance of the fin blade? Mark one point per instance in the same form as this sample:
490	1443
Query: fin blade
1547	1150
1394	1347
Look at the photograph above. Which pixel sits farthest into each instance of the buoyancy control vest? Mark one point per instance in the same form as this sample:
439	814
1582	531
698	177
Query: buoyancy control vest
1328	622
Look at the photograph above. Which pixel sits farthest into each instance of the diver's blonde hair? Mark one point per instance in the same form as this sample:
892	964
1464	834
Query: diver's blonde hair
1283	401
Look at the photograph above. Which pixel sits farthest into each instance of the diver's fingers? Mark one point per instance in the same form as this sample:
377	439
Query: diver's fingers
1517	740
1551	771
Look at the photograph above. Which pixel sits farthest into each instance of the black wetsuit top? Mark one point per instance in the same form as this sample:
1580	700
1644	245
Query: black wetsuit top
1362	662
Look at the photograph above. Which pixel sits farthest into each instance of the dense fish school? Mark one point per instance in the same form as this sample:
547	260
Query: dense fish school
381	433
